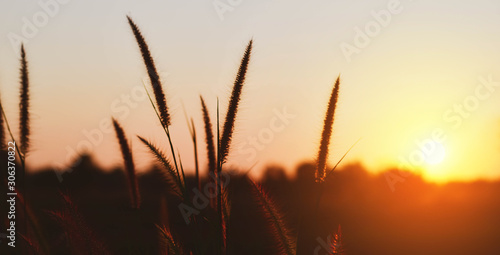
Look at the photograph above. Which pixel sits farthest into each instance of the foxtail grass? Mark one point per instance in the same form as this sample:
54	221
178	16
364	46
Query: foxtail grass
336	244
210	146
24	123
161	108
135	199
227	131
209	137
166	237
153	74
177	184
24	118
327	133
224	141
167	132
3	146
280	232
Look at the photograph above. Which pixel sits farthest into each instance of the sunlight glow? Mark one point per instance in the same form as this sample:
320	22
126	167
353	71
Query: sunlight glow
437	155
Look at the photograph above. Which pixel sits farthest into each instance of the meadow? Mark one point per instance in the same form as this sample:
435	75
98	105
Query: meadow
217	210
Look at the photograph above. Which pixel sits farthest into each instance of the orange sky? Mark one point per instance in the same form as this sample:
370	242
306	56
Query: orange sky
408	68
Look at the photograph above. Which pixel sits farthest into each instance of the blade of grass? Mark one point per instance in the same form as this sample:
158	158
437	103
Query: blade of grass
182	171
165	128
192	132
338	162
19	152
195	147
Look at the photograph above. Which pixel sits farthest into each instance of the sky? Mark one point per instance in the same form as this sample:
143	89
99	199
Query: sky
410	71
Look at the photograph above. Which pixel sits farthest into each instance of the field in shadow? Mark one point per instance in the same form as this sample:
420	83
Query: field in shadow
415	218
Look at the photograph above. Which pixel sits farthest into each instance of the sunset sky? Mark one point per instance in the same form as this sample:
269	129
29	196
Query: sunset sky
409	70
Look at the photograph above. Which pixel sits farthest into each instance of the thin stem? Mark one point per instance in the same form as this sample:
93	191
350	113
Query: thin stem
167	132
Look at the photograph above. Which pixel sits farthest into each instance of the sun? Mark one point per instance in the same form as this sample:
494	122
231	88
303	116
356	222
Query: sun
436	155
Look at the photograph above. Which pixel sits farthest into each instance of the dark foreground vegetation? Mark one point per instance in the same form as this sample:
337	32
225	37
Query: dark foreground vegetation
417	218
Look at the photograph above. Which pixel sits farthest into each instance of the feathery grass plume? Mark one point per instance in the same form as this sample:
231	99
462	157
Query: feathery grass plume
168	240
24	119
327	133
209	137
153	74
228	128
135	199
167	132
209	140
82	240
172	174
280	233
336	244
2	130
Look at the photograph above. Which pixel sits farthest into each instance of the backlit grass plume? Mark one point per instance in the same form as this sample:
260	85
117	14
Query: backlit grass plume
336	244
24	120
173	176
279	231
227	131
2	129
209	137
153	74
327	133
168	240
135	199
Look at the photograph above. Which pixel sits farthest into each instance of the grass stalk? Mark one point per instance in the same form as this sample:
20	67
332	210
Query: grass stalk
209	137
178	188
3	146
232	110
195	148
24	118
167	131
135	199
152	73
279	231
327	132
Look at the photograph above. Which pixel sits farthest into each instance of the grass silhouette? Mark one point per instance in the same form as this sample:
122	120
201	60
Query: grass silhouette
135	197
208	228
